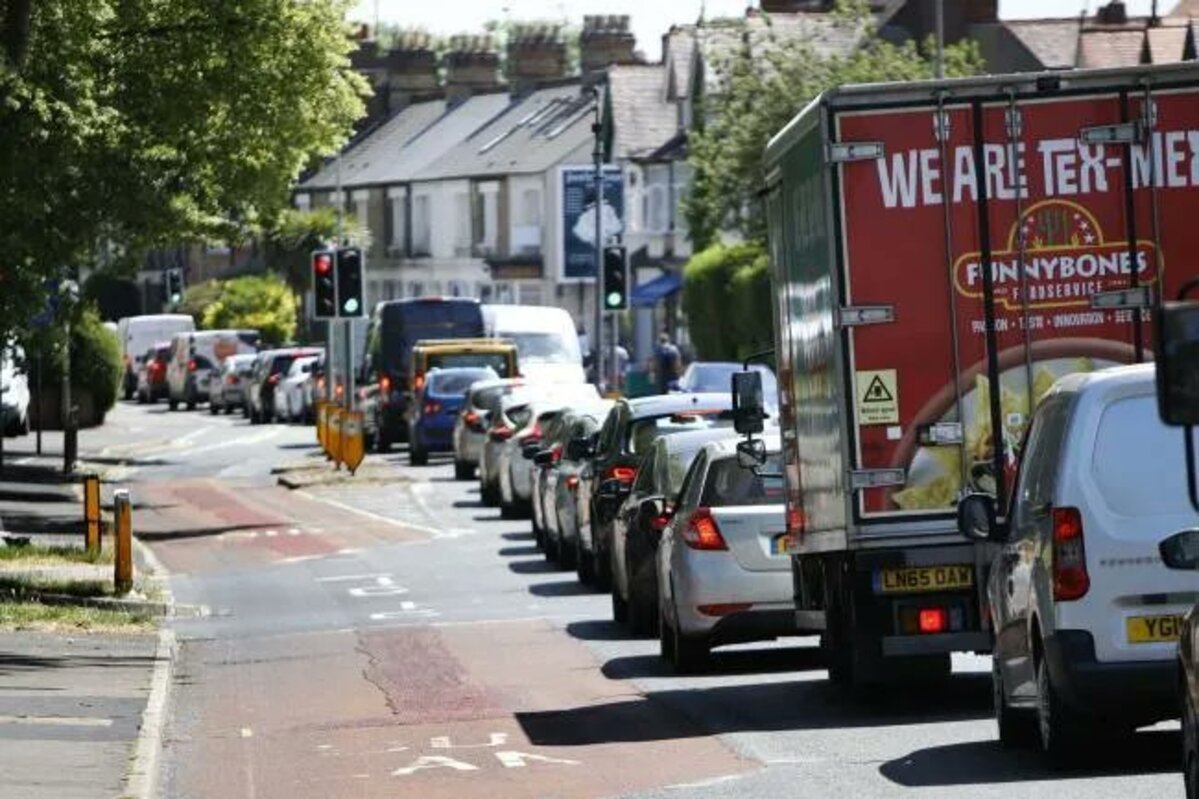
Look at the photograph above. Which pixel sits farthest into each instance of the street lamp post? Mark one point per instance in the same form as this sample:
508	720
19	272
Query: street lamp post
597	158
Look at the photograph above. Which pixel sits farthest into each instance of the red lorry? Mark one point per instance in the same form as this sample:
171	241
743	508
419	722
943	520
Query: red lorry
943	251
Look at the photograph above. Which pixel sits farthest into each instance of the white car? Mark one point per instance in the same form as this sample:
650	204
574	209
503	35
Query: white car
470	428
14	397
723	574
1084	612
293	408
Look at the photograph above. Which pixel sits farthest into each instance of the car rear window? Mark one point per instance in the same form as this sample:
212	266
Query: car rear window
458	382
642	433
496	361
1138	464
489	398
728	483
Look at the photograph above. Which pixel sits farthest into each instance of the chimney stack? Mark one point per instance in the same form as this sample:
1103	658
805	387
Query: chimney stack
471	65
606	39
397	75
1114	13
536	54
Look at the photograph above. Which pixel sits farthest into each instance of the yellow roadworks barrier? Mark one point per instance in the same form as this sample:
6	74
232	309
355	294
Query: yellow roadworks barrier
320	422
353	448
333	434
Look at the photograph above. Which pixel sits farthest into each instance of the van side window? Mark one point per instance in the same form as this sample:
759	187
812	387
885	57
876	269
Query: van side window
693	483
1038	472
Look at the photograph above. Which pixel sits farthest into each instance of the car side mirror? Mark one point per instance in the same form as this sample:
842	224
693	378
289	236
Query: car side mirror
749	406
751	453
976	518
543	458
653	514
1178	363
1181	551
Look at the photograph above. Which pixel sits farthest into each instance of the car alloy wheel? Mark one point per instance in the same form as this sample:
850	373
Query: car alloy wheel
1059	731
1016	728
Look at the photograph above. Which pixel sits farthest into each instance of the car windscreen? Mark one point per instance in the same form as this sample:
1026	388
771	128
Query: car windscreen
642	433
497	362
489	398
729	483
540	348
457	381
718	378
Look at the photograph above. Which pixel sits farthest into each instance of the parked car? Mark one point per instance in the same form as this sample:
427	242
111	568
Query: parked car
723	571
640	520
138	334
395	327
291	389
542	457
561	495
514	413
229	390
547	340
516	471
14	395
1181	552
438	403
152	373
702	377
197	357
1085	614
470	428
269	370
623	439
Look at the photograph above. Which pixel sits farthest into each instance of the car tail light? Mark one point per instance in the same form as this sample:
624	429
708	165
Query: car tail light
660	522
702	532
432	407
795	521
320	384
273	379
724	609
231	380
931	620
501	433
625	474
556	453
1070	578
534	433
338	389
572	482
470	419
191	365
418	382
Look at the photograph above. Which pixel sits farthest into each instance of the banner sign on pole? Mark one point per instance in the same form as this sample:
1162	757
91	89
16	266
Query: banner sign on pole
576	231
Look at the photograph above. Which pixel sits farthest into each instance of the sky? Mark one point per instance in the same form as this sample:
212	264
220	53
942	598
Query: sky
649	18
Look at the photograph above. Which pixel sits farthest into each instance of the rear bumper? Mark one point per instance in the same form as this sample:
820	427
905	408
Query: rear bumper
1140	691
470	447
434	437
715	578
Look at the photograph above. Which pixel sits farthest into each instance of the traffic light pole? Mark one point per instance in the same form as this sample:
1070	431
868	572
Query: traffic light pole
597	160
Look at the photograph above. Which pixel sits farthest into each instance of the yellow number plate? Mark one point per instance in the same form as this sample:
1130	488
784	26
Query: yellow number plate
919	579
1152	629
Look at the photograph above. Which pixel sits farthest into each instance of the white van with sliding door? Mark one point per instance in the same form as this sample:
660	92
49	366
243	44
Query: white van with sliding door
138	334
547	344
197	358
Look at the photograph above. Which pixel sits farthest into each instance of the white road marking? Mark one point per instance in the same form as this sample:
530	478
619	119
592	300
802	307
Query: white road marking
58	721
433	761
389	615
352	577
293	531
246	732
272	533
494	739
372	515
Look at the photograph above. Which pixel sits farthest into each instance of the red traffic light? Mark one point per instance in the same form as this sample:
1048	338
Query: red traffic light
322	263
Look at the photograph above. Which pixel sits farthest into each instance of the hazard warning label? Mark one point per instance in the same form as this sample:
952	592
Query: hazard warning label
878	397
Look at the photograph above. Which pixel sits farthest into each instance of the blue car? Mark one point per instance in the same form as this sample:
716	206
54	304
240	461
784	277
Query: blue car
432	416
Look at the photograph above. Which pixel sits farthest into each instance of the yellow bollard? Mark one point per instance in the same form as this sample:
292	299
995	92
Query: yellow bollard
91	512
320	422
353	449
333	435
123	564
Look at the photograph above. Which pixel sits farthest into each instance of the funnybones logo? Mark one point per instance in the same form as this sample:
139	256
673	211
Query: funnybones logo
1066	260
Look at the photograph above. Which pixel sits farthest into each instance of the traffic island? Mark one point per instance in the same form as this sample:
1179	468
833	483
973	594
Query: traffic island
308	475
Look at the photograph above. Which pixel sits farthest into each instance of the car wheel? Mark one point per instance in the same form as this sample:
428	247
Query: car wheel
620	608
489	494
566	553
1017	729
642	616
585	564
691	654
228	410
141	398
23	425
1060	731
382	442
463	470
418	456
173	404
603	570
213	408
549	546
1190	745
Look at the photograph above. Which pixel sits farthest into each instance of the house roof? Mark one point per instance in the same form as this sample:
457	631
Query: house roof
642	119
532	134
1167	41
1186	8
1111	47
410	141
1053	42
678	54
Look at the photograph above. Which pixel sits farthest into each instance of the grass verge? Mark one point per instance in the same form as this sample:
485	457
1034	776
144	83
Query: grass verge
15	615
23	588
41	555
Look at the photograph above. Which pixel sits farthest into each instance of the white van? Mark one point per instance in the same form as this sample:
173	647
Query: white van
138	334
14	394
198	357
547	345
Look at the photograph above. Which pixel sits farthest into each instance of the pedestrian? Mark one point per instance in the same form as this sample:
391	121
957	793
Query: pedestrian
668	363
622	366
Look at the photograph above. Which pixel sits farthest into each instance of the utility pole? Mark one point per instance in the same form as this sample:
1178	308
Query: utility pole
597	158
330	371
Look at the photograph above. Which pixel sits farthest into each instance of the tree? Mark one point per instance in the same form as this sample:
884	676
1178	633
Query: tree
255	302
142	122
762	85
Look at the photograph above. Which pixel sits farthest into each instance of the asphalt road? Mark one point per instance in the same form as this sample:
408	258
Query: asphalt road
391	637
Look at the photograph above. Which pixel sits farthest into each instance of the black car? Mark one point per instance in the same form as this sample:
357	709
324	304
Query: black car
1181	551
624	439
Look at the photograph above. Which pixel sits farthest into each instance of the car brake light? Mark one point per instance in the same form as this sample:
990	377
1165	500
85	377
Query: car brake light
931	620
501	433
432	407
273	379
795	521
556	453
191	365
320	383
572	482
702	532
385	384
470	418
338	390
418	382
231	380
625	474
724	608
1070	578
660	522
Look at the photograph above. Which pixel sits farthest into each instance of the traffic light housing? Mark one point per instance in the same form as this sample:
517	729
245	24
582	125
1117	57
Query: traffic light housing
615	284
324	285
349	282
173	286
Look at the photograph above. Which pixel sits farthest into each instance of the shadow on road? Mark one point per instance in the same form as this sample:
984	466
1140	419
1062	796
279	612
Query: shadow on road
597	630
739	661
521	552
197	532
538	566
560	588
804	704
518	537
979	762
18	495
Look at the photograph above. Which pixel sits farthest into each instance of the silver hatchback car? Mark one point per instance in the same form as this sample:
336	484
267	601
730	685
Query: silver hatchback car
723	572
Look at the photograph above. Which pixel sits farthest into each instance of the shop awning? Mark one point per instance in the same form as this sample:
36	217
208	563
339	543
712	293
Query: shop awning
653	292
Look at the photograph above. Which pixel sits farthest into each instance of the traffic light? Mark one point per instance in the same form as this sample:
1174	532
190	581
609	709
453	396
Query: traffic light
324	287
174	286
349	282
616	279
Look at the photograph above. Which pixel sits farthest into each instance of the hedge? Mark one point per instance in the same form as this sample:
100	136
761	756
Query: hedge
728	302
96	365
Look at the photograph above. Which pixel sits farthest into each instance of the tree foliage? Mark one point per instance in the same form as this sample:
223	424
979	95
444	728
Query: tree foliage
711	279
142	122
760	89
255	302
96	366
